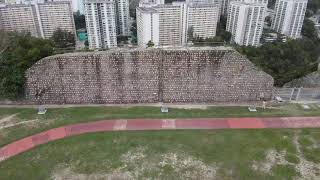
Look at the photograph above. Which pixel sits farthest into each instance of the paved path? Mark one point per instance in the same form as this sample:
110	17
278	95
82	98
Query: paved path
30	142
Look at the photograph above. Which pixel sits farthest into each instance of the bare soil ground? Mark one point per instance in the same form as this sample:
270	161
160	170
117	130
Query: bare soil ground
136	163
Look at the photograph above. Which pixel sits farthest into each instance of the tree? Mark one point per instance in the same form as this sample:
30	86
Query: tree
79	20
271	4
285	61
313	5
86	43
4	41
221	30
226	36
308	29
150	44
63	39
268	20
21	53
133	30
190	33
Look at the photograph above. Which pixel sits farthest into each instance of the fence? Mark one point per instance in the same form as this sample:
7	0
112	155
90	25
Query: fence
299	94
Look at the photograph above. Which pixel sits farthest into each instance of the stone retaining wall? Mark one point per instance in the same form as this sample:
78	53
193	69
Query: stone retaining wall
146	76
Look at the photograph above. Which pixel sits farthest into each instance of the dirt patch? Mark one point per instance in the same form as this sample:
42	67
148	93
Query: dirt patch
308	170
273	158
12	121
188	167
12	124
137	164
7	119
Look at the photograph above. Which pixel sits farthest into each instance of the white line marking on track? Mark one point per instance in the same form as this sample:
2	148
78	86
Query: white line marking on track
120	125
168	124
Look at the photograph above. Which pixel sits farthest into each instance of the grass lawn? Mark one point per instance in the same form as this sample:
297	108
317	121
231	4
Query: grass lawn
183	154
63	116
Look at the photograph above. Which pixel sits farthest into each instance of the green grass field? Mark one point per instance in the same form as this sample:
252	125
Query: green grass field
184	154
57	117
187	154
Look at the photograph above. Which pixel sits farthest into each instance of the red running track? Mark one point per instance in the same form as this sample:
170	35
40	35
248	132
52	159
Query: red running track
30	142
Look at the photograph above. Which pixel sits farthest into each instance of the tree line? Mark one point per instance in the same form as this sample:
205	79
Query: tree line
19	51
289	60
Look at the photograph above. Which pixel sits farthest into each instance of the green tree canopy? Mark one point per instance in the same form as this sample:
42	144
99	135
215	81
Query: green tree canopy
133	30
285	61
150	44
313	5
21	53
63	39
309	30
79	20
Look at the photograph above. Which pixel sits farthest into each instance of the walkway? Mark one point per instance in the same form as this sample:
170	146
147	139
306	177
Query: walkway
30	142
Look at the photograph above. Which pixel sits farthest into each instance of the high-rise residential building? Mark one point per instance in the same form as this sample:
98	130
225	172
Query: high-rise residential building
150	3
168	24
172	26
54	15
40	19
289	16
245	21
12	1
122	15
20	18
164	23
224	7
147	26
101	23
221	4
203	20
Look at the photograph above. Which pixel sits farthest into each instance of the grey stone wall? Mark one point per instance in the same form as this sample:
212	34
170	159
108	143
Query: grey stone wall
146	76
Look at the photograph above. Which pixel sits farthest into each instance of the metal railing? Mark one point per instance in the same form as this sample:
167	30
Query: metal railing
299	94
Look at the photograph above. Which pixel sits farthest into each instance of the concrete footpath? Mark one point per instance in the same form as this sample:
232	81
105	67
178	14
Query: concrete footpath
30	142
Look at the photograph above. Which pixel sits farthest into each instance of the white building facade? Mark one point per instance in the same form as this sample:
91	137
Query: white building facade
122	15
20	18
54	15
101	23
289	17
40	19
222	4
147	26
203	20
245	21
105	20
168	24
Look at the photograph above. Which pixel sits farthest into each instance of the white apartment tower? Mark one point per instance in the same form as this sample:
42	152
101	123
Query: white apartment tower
20	18
150	3
203	20
168	24
40	19
172	26
245	21
147	26
221	4
101	23
289	16
54	15
122	15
